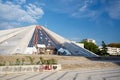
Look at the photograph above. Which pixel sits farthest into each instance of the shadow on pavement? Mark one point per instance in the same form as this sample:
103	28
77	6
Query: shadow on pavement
112	59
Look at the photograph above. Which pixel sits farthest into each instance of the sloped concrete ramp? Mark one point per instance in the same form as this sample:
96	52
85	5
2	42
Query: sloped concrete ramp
16	40
69	45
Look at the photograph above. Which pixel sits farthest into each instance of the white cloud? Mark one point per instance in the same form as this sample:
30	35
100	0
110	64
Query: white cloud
41	4
88	10
85	14
84	7
74	8
9	25
13	15
34	11
10	12
20	1
114	9
84	11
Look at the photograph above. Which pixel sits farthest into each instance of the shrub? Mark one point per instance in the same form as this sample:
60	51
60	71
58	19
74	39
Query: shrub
54	61
17	61
4	63
31	60
23	61
38	62
48	62
42	60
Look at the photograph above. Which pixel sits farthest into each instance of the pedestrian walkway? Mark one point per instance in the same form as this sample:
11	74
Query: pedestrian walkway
98	74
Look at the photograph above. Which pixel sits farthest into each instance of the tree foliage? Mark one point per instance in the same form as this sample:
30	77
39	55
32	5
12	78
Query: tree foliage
104	47
90	46
103	52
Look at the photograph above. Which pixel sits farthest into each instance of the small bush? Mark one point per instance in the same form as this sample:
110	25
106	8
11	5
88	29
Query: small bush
54	61
4	63
31	60
17	61
48	62
42	60
38	62
1	64
23	61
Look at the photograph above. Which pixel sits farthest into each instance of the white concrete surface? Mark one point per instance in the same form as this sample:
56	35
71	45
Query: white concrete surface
16	41
69	45
29	68
96	74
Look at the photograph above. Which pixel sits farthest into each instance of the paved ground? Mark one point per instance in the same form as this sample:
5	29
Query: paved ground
98	74
73	68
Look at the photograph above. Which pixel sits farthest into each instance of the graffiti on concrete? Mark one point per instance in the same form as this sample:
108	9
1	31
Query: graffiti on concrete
29	68
54	67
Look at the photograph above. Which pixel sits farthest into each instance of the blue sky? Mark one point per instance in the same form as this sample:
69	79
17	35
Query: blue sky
72	19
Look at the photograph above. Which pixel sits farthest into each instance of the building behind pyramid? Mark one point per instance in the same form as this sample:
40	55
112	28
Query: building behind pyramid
38	40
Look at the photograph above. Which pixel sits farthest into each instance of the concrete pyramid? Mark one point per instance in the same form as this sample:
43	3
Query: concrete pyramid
18	40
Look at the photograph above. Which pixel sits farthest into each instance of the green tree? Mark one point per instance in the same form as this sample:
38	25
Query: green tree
104	49
90	46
